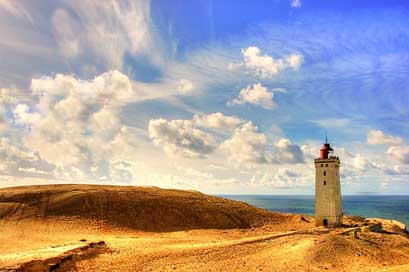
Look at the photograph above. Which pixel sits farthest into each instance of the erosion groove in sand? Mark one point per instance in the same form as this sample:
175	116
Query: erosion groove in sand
56	258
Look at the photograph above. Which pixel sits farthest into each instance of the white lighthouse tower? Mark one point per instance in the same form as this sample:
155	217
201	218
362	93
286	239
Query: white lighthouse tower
328	203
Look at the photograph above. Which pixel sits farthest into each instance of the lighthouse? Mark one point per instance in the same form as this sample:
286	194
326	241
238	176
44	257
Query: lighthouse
328	203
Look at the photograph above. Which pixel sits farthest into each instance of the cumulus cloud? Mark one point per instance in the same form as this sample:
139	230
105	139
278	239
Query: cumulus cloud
6	100
111	89
9	96
287	152
23	116
246	145
378	137
217	120
180	137
256	95
265	66
18	162
399	153
194	138
76	125
360	163
355	166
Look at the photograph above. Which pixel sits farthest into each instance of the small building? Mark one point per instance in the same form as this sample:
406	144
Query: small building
328	203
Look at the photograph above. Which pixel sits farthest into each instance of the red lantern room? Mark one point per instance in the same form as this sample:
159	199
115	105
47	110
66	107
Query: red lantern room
325	150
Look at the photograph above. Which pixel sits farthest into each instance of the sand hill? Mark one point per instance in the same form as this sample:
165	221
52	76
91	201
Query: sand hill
110	228
141	208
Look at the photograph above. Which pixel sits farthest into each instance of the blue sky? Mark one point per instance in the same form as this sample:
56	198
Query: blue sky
217	96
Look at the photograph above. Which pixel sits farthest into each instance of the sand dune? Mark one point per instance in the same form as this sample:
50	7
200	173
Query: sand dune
141	208
108	228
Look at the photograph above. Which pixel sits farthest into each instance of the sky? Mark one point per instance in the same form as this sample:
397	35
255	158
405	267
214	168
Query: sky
223	97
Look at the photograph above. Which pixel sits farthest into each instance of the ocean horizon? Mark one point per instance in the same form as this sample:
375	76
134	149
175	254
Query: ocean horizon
368	206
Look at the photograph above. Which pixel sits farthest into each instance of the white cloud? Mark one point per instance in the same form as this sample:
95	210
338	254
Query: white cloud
111	89
75	125
333	122
185	87
352	165
265	66
9	96
6	100
397	170
193	138
284	178
18	162
217	120
246	145
193	173
399	153
66	30
287	152
180	137
256	95
23	116
295	3
15	8
377	137
106	32
361	163
310	151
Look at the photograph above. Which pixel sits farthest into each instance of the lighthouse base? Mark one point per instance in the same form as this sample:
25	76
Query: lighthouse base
328	221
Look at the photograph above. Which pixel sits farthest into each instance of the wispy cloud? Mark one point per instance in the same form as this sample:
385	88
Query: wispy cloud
15	8
295	3
106	31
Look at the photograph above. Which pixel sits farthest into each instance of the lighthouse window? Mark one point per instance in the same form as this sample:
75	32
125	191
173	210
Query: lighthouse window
325	173
322	165
326	165
325	182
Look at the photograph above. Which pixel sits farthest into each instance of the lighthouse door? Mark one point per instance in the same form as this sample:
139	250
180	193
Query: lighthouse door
325	222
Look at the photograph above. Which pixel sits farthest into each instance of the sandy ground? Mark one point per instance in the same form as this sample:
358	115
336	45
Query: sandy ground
72	243
266	248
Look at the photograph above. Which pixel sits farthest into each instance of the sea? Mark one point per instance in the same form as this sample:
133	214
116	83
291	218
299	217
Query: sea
381	206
